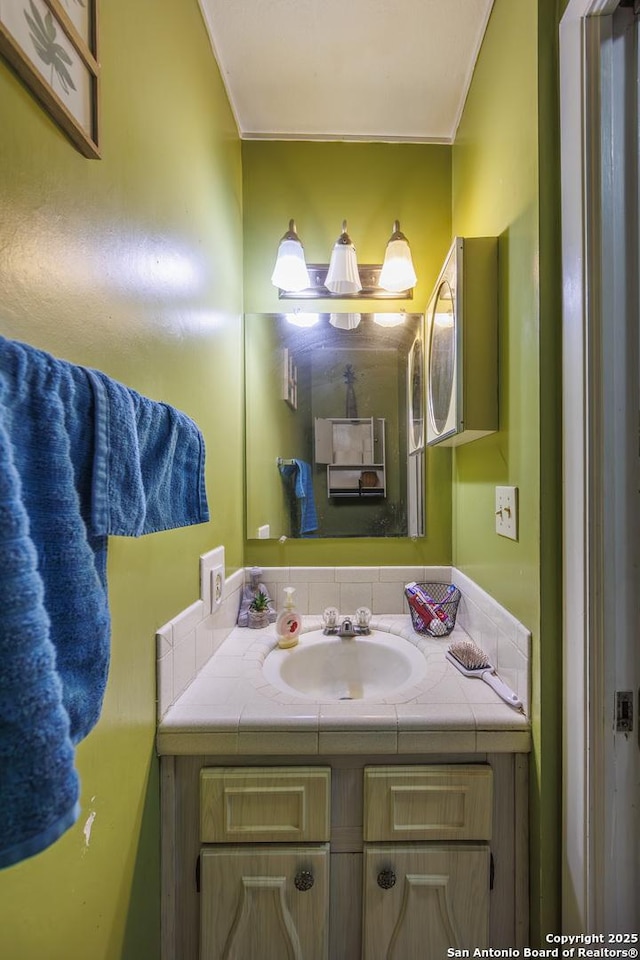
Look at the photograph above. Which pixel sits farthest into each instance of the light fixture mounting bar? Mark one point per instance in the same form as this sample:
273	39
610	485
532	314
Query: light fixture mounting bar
369	277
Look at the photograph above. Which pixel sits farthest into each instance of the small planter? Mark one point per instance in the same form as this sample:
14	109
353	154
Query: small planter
258	619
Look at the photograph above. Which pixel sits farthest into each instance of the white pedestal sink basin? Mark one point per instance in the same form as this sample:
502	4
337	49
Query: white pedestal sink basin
332	668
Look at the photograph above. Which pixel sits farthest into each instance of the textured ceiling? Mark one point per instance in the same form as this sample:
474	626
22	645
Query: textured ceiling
347	69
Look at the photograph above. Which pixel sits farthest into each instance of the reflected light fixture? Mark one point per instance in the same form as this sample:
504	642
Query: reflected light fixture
290	272
397	270
344	321
299	318
389	319
343	276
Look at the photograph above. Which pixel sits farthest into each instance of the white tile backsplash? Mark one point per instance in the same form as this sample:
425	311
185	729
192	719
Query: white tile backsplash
354	595
505	640
164	682
233	584
204	641
187	621
387	598
184	663
311	575
401	574
164	641
323	594
187	642
357	574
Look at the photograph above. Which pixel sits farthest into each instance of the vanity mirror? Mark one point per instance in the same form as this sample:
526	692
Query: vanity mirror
334	425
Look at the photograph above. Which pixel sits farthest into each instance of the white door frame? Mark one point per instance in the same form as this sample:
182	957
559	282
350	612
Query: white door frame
591	223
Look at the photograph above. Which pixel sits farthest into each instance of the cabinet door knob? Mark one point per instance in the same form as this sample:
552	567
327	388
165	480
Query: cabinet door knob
303	880
386	879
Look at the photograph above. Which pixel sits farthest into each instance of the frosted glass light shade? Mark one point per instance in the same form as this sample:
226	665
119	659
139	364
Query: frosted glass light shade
301	319
343	275
397	272
290	272
344	321
388	319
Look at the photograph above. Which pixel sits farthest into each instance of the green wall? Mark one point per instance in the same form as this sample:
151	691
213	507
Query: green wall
505	185
131	264
370	185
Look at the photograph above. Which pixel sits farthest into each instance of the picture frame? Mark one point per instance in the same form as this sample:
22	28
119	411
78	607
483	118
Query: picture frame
52	45
289	379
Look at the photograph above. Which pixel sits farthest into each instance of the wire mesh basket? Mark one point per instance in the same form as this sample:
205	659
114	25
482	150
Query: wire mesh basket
433	607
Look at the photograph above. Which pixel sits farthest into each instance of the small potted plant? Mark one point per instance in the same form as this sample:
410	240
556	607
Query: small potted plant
259	611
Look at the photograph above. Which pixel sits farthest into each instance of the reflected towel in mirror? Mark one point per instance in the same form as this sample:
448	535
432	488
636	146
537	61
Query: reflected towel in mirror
300	472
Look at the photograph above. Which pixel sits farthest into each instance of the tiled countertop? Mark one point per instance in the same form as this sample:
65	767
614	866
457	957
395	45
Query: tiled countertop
231	709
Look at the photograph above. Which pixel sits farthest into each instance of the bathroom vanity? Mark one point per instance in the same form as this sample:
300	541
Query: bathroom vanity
333	831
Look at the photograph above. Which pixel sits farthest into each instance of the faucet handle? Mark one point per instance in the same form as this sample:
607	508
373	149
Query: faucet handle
330	618
363	616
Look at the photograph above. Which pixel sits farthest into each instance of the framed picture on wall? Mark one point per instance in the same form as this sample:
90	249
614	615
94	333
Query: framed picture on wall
52	45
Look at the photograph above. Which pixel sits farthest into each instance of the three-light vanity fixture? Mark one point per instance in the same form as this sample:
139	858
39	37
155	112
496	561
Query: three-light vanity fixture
343	276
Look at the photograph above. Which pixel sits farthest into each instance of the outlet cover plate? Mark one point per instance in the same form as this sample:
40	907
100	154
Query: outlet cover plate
217	586
212	578
507	512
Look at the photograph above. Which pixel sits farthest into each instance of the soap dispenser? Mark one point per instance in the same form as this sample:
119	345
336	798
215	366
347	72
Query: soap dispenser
288	622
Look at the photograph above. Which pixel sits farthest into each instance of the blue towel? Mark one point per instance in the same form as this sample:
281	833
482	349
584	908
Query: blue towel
90	458
38	783
303	487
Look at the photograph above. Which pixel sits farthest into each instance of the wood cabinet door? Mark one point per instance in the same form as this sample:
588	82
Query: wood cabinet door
421	899
264	904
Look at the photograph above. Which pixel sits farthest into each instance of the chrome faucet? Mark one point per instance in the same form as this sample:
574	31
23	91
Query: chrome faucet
346	628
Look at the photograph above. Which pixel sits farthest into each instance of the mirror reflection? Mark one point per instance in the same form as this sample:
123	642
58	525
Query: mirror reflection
334	425
442	357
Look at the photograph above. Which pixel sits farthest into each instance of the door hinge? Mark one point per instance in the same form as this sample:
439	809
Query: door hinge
198	874
492	871
624	711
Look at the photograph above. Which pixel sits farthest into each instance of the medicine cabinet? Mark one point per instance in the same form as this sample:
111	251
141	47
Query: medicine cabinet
354	453
462	345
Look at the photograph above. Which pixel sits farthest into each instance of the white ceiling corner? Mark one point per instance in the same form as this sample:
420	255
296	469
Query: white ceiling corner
347	69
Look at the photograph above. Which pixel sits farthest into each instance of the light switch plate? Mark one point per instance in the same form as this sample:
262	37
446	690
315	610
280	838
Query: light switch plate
507	512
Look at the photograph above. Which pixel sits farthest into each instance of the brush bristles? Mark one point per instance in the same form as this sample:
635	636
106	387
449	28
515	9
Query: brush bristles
470	655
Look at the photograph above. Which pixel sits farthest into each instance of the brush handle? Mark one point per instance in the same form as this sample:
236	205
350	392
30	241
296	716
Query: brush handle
502	689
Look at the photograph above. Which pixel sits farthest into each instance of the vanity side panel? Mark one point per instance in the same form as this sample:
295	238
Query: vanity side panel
169	846
522	892
502	896
187	902
509	924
